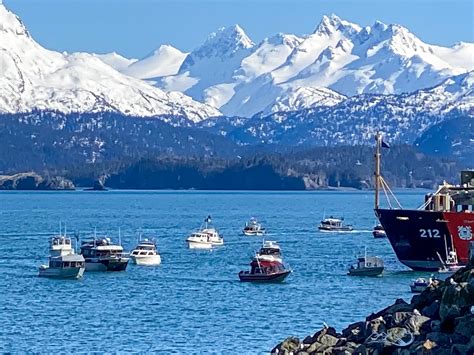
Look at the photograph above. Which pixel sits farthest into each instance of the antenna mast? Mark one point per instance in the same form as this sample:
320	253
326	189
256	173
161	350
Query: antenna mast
378	140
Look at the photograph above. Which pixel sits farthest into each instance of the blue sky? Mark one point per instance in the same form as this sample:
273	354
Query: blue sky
135	27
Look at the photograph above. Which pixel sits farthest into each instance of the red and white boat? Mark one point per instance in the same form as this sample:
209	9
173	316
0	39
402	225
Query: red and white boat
265	271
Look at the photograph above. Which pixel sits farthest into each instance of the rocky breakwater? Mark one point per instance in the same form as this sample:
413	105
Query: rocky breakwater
33	181
440	320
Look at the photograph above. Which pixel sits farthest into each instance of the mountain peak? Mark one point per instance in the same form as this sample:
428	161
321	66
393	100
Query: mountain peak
10	23
233	37
333	23
224	43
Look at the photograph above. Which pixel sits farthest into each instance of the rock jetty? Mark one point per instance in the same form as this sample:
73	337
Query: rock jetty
33	181
440	320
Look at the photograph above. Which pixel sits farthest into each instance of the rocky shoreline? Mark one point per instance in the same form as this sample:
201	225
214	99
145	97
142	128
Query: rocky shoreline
440	320
33	181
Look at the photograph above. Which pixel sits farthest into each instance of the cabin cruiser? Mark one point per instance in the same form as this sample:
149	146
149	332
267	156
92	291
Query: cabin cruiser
270	251
145	253
252	227
103	255
333	224
379	232
63	262
367	266
206	237
265	271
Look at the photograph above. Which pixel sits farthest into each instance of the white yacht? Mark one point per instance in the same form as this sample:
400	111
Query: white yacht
102	255
270	251
333	224
63	262
145	253
206	237
253	227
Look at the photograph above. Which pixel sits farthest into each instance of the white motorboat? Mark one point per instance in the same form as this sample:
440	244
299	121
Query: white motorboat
270	251
145	253
206	237
333	224
63	262
102	255
253	227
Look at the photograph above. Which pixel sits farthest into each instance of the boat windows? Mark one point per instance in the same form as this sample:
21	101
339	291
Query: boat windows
150	253
143	253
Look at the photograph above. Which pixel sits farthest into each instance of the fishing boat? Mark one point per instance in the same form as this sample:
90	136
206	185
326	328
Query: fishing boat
206	237
379	232
145	253
253	227
417	235
63	262
450	265
420	284
367	266
264	271
101	254
270	251
333	224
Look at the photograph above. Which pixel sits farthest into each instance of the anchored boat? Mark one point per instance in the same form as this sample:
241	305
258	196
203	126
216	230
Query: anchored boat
333	224
102	255
270	251
265	271
267	265
367	266
420	284
379	232
418	235
206	237
63	262
145	253
253	227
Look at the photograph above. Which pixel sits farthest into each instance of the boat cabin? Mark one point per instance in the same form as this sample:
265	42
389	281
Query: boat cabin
144	248
332	222
369	261
270	248
66	261
60	245
98	248
265	267
453	198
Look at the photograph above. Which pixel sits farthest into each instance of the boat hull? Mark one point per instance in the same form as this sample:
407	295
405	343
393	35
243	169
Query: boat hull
373	271
340	229
270	278
106	265
379	234
58	273
418	236
146	260
253	233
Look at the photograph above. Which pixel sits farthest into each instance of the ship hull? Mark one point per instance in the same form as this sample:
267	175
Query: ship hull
420	238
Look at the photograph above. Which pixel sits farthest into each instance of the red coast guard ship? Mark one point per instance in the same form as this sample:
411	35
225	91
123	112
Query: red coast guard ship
424	238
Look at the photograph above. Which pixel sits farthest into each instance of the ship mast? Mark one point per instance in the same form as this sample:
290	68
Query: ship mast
378	140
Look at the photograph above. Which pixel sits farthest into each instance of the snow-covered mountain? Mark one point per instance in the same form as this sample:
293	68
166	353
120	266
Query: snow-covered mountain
239	77
164	61
403	118
32	77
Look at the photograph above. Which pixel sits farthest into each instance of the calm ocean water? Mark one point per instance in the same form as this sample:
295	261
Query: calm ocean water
193	302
